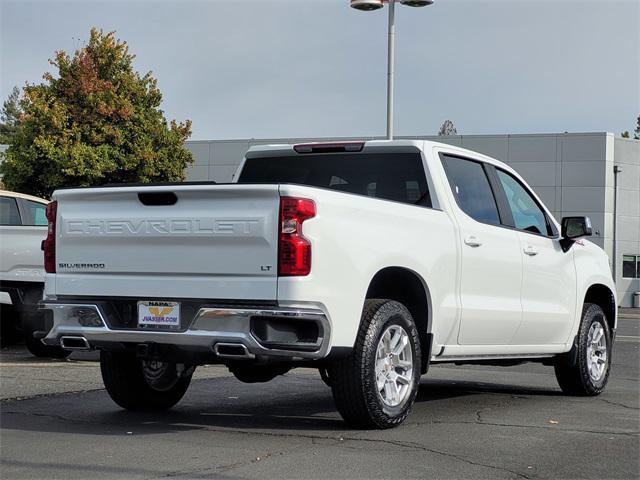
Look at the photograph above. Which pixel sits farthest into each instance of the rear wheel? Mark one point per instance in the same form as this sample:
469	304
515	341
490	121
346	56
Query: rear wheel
10	331
33	321
375	387
39	349
586	372
143	385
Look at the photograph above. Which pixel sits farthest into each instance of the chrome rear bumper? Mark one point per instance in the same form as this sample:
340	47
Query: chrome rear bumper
213	329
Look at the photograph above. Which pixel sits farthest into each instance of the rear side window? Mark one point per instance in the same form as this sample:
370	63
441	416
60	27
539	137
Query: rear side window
37	211
9	214
391	176
471	188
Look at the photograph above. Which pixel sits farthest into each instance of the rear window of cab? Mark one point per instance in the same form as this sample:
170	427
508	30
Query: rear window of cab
399	177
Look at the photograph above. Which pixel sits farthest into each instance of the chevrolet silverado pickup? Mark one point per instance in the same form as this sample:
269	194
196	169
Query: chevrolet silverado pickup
369	261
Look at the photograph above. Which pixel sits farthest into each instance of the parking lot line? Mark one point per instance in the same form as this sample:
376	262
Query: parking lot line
627	338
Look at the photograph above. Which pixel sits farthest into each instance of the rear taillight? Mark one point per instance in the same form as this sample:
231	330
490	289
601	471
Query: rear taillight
49	244
294	257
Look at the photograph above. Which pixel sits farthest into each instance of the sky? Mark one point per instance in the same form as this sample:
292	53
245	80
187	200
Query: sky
317	68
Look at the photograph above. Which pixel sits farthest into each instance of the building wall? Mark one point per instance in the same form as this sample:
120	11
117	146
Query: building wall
572	173
627	157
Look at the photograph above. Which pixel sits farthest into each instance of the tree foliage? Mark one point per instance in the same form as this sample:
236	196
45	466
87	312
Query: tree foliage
447	128
10	116
636	132
97	121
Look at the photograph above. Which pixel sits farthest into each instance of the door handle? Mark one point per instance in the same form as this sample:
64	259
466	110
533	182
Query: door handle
531	251
472	241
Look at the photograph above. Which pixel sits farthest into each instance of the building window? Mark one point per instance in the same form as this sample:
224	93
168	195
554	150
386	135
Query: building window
631	266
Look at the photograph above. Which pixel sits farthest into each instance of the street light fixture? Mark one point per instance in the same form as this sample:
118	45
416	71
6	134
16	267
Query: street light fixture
369	5
416	3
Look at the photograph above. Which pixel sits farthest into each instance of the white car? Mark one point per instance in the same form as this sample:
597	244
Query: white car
370	261
23	227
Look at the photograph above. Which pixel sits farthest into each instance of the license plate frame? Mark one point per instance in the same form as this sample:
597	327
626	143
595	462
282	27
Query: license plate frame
159	315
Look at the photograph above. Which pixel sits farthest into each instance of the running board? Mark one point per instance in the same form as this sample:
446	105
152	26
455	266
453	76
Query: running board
480	358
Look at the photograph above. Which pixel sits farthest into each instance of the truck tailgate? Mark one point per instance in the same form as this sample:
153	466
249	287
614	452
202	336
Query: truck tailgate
174	241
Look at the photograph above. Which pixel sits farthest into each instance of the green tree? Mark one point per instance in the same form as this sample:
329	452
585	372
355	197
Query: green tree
97	121
447	128
636	132
10	116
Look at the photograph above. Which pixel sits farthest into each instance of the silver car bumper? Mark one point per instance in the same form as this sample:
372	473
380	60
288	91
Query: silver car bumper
226	332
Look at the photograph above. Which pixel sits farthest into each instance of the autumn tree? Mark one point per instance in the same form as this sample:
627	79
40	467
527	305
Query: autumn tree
94	121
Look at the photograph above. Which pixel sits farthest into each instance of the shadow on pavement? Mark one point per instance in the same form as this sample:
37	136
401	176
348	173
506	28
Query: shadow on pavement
433	389
293	402
18	354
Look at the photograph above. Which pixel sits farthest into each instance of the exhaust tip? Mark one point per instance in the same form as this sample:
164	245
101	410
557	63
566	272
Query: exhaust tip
74	343
232	350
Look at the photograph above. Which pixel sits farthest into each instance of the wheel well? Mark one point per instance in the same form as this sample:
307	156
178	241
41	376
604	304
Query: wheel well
406	287
601	295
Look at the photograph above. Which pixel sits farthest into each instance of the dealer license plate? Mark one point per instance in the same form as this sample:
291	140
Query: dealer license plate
158	314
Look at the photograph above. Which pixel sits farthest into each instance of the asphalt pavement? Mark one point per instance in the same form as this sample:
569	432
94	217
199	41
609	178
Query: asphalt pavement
468	422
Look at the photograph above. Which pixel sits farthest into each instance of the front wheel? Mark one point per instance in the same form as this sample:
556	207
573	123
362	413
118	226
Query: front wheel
586	373
143	385
375	387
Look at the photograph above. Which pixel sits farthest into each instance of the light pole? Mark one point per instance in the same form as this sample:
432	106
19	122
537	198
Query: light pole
369	5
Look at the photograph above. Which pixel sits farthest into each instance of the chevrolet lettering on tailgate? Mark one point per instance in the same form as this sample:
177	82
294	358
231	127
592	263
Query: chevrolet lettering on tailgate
173	226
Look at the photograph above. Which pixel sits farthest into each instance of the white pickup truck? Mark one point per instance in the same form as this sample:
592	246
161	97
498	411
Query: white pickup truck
369	261
23	227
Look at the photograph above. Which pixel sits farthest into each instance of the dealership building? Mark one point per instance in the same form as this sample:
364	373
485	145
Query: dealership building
594	174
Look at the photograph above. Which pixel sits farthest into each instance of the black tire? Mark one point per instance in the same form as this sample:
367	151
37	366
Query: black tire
324	375
10	329
353	380
39	349
32	321
572	369
129	387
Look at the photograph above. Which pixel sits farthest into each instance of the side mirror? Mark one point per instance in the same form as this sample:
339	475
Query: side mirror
572	229
576	227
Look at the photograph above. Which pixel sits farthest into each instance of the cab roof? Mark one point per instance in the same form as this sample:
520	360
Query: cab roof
369	146
7	193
